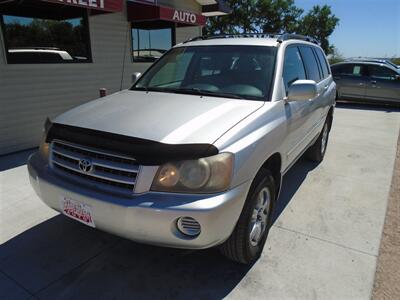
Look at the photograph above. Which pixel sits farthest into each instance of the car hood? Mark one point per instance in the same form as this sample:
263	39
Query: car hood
161	117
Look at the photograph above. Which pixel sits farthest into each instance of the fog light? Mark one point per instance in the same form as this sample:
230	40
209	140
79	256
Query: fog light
188	226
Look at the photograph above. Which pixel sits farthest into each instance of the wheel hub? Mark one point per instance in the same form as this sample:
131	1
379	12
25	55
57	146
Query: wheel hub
259	219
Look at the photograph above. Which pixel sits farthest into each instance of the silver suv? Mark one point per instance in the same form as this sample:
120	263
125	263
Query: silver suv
192	156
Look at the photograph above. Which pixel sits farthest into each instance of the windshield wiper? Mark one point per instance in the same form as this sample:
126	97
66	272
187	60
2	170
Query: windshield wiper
147	89
141	88
197	91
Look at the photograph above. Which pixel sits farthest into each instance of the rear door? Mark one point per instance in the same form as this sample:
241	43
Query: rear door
351	80
316	106
384	84
327	87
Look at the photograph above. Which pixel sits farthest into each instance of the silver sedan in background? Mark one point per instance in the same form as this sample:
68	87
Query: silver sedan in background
367	81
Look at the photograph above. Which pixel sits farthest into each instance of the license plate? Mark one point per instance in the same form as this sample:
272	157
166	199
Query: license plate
78	211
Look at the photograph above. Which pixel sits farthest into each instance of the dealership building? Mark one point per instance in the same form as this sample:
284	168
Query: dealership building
57	54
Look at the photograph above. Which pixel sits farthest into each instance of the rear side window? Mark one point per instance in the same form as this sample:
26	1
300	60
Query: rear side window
349	70
293	68
322	60
311	63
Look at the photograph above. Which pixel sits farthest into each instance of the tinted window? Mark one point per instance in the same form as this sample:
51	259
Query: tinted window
293	68
224	71
150	44
322	60
348	69
310	63
38	40
381	72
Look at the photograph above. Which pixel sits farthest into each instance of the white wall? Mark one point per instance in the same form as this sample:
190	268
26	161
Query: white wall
30	93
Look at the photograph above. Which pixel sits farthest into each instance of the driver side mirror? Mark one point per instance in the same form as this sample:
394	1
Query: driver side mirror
302	90
136	76
397	77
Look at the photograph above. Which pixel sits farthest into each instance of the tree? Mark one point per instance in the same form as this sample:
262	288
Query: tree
239	21
335	56
319	23
396	60
275	16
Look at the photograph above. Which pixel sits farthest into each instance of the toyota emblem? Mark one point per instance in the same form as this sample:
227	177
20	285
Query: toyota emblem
85	165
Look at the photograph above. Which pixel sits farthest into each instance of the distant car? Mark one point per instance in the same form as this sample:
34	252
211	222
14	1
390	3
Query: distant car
367	82
376	60
38	55
148	55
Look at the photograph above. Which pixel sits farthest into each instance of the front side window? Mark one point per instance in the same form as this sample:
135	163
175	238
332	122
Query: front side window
222	71
379	72
349	70
293	68
150	44
38	40
310	63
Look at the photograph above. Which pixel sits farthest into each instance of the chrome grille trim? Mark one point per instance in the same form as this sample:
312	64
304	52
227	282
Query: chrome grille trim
110	169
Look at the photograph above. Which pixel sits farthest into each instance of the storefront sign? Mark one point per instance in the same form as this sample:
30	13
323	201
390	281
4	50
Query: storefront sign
186	17
106	5
143	12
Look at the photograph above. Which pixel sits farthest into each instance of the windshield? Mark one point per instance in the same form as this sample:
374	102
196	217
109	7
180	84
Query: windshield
244	72
392	64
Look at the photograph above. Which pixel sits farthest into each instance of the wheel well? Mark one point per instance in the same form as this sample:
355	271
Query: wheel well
273	164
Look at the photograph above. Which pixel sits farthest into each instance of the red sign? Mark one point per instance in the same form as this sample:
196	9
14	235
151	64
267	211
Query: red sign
104	5
138	12
179	16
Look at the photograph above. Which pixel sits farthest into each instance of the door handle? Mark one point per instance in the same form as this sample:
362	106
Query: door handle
373	81
326	87
336	77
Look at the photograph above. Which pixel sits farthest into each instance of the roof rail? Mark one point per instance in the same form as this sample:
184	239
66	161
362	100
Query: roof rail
34	48
290	36
279	36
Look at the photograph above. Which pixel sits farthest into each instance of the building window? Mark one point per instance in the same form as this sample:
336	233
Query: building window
150	44
30	40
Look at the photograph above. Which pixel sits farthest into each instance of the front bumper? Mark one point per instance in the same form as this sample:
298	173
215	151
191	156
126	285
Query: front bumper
150	217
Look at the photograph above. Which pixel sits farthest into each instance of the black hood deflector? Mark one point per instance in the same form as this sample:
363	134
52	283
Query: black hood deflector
145	152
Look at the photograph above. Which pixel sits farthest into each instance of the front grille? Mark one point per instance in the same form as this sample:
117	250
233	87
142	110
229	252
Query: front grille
109	171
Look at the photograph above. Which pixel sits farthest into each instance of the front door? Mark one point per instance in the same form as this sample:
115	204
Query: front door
383	84
351	81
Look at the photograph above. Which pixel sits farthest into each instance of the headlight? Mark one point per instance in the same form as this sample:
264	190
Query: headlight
44	149
44	146
205	175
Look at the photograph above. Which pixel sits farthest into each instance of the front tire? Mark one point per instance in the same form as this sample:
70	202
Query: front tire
248	238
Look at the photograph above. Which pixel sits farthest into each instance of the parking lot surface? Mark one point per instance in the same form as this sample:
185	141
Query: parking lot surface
324	243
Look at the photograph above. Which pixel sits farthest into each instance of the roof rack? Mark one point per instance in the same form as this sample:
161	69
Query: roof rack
279	36
35	48
290	36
